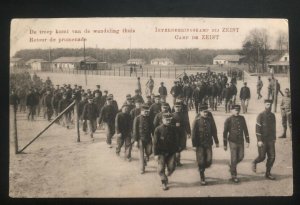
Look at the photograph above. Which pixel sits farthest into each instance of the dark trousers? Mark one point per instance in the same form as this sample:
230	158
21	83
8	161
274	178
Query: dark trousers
204	157
110	131
31	111
145	149
49	111
228	103
124	138
166	160
197	106
182	144
286	118
237	155
268	149
84	126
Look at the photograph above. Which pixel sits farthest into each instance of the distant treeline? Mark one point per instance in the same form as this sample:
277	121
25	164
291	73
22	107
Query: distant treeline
180	56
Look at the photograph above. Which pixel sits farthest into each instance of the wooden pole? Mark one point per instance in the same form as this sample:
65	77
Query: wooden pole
77	120
160	73
15	128
275	96
154	72
63	112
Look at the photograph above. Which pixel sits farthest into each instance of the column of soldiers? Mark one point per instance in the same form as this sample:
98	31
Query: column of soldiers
157	129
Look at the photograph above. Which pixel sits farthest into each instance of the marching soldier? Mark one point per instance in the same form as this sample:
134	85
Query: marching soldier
90	114
31	102
137	96
227	96
97	91
62	105
196	98
235	129
48	104
81	105
149	101
203	134
123	125
266	137
259	86
142	134
245	97
129	102
175	91
182	124
165	146
162	90
154	110
158	118
286	114
107	115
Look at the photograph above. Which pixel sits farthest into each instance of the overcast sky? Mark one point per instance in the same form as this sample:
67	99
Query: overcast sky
144	35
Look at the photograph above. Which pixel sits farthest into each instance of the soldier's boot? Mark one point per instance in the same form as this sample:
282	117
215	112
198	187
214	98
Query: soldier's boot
164	185
283	134
269	175
235	179
253	167
202	177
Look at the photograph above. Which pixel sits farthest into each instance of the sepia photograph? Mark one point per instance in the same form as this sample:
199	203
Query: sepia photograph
149	108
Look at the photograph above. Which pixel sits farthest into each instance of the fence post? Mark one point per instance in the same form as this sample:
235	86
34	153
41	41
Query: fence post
168	72
77	121
160	72
142	72
119	71
114	71
147	72
154	72
275	96
175	72
15	129
124	72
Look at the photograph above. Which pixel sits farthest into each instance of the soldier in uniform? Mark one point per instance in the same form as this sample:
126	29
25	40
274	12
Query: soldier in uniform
182	124
48	104
259	86
154	109
227	96
129	102
138	96
142	134
90	114
97	91
123	125
81	105
235	130
196	98
31	102
266	137
107	115
158	118
245	97
149	101
286	114
62	105
165	146
175	91
162	90
203	134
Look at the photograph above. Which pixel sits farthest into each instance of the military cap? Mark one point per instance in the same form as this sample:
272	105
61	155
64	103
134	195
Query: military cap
110	95
164	105
145	107
98	86
79	86
57	85
162	83
125	105
236	107
109	98
167	116
156	96
148	96
106	91
75	85
97	91
137	90
203	107
178	104
245	83
268	101
128	96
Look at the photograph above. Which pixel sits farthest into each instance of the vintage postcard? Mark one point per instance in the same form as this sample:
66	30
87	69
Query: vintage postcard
150	107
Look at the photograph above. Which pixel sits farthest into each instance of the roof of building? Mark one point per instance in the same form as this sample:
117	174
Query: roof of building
278	63
162	59
228	57
74	59
136	59
34	60
15	59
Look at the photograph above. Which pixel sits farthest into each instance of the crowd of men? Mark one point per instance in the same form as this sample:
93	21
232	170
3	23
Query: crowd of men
155	127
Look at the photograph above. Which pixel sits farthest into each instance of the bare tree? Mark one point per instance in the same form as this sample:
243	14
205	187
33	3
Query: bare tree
256	48
282	42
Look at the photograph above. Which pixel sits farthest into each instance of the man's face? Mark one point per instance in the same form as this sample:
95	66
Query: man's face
125	109
145	112
164	109
156	100
177	109
148	99
235	112
97	94
109	102
268	106
138	105
90	101
166	121
204	113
